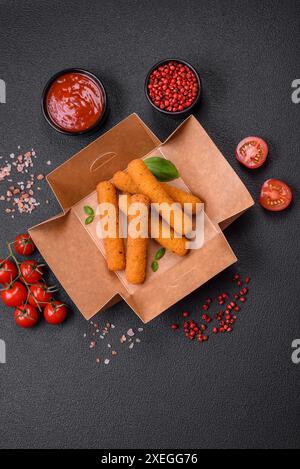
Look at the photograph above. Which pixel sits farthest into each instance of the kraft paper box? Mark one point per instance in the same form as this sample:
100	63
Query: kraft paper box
69	246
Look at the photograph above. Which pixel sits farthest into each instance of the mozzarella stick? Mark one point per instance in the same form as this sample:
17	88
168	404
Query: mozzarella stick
124	183
114	245
182	197
137	247
176	245
148	185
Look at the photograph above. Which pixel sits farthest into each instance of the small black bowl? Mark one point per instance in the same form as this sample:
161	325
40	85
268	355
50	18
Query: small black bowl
44	101
185	111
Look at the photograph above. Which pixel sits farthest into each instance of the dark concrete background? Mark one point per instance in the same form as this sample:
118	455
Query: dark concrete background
241	390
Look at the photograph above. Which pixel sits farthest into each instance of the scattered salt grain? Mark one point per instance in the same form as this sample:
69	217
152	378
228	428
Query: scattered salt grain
25	200
123	339
130	338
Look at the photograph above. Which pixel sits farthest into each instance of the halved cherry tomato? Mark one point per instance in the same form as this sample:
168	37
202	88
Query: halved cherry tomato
15	295
31	272
24	245
252	152
26	316
55	312
39	295
275	195
8	271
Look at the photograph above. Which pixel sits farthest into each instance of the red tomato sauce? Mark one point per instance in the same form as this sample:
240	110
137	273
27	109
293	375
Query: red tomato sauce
75	102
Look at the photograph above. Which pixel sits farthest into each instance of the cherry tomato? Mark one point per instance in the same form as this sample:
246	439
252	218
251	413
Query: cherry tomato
275	195
39	295
31	272
252	152
15	295
24	245
8	271
55	312
26	316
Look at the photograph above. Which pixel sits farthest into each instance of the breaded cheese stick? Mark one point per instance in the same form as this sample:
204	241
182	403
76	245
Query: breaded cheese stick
137	247
182	196
114	246
148	185
176	245
124	183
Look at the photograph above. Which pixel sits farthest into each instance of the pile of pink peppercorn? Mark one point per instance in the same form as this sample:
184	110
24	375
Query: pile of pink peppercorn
222	321
173	87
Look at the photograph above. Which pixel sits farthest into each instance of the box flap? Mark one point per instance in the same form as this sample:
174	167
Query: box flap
194	270
79	175
207	172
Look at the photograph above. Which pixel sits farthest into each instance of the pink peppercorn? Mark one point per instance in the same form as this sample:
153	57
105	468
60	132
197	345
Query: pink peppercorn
173	86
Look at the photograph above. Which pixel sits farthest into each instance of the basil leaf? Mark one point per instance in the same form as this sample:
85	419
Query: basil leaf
154	266
88	210
164	170
160	253
89	220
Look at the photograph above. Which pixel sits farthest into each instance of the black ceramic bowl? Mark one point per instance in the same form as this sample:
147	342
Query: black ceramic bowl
47	116
185	111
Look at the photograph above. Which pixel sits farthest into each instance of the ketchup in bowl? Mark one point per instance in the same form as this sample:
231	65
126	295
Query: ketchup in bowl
74	101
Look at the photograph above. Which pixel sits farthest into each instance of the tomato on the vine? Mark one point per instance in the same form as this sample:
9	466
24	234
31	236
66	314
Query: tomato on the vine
26	316
31	272
8	271
55	312
252	152
39	295
14	295
275	195
24	245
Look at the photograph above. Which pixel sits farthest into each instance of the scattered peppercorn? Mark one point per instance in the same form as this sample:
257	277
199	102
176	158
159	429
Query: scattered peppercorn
226	319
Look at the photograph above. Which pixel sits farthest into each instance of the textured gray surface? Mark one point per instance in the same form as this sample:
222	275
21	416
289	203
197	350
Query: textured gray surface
241	390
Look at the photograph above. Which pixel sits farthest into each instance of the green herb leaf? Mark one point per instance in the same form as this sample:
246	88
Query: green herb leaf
164	170
88	210
89	220
154	266
160	253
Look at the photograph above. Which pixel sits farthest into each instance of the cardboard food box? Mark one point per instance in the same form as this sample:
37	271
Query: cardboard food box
69	246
